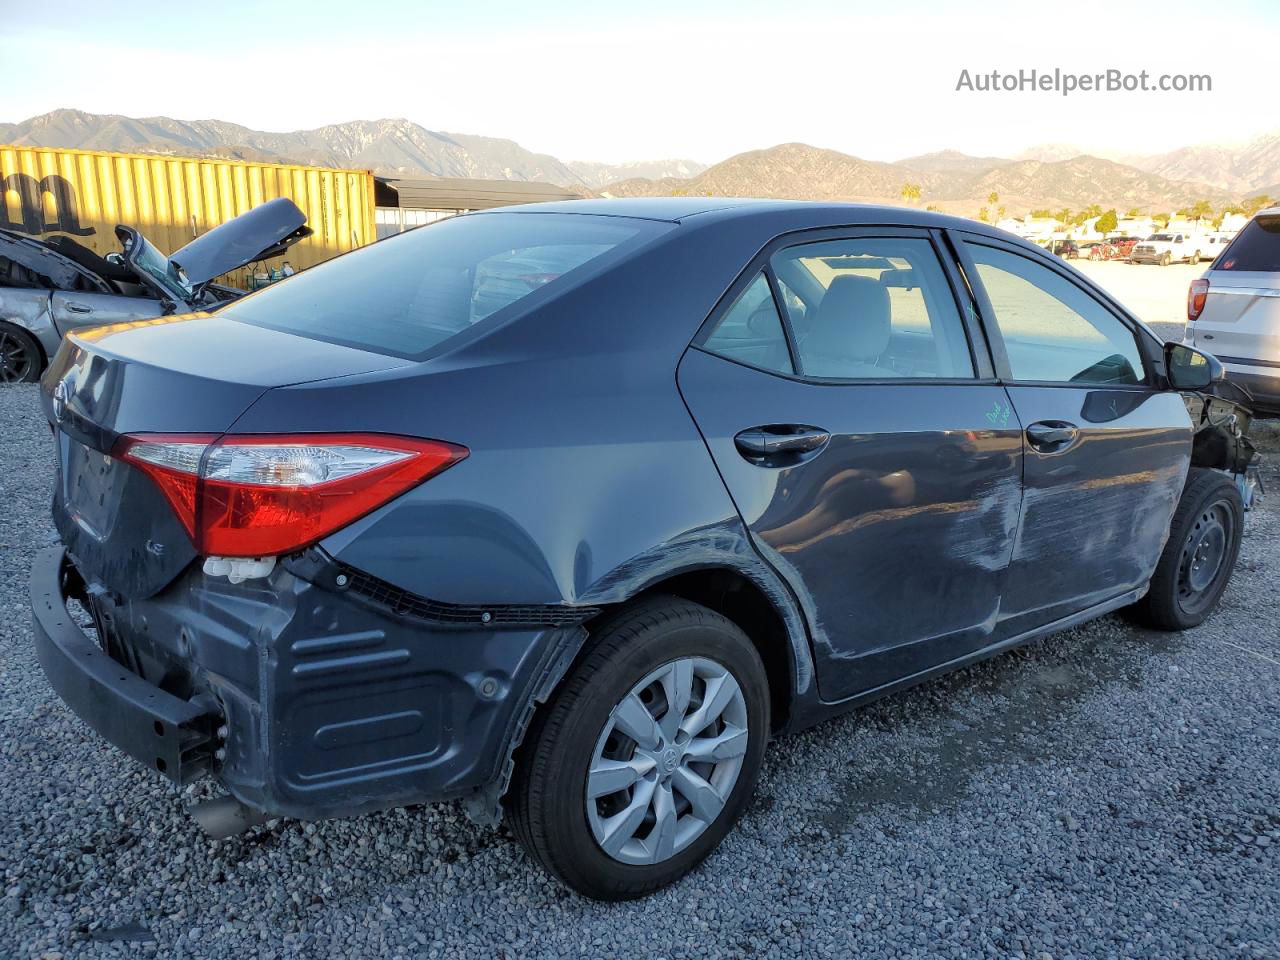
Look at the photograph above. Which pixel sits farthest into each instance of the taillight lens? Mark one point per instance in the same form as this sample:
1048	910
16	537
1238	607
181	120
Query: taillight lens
260	496
1195	299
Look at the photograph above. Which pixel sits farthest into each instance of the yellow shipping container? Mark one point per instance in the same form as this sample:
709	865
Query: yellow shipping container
172	200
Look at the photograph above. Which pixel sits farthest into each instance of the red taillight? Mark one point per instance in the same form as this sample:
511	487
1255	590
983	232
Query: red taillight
262	496
1195	299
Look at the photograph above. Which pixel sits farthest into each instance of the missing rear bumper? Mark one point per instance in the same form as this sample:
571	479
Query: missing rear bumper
172	736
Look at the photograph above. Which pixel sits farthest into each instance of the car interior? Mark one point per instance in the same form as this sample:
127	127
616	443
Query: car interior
858	310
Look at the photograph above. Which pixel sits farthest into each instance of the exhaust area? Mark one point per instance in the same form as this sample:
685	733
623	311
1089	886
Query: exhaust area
226	817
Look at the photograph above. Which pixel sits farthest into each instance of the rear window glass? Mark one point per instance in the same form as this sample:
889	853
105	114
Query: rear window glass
1255	248
407	294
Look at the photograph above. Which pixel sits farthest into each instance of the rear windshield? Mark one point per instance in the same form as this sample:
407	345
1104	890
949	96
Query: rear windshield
1256	247
407	294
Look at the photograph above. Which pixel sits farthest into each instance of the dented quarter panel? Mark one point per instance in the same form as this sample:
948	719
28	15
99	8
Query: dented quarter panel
1095	516
896	537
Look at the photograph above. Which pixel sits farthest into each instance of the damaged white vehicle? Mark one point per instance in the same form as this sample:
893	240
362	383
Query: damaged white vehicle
49	287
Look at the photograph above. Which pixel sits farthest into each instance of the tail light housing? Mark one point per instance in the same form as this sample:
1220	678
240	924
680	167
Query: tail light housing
1196	297
266	495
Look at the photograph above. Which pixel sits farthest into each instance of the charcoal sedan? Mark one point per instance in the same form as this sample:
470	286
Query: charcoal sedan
566	510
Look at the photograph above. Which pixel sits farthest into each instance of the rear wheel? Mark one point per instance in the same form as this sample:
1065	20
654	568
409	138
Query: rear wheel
20	358
1199	557
647	755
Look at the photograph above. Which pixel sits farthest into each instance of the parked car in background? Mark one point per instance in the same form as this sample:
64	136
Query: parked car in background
1213	244
1166	248
1066	249
1118	248
50	287
1233	309
565	511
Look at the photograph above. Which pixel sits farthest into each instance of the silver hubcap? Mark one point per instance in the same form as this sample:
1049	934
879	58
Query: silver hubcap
666	761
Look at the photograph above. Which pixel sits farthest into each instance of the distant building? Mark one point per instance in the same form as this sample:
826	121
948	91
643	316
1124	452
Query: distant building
1040	228
1233	222
1134	227
400	205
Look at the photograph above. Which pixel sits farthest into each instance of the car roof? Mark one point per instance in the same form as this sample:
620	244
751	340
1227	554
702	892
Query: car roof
748	209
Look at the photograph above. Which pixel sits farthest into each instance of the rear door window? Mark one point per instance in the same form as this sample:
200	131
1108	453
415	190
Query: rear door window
405	295
874	308
1256	248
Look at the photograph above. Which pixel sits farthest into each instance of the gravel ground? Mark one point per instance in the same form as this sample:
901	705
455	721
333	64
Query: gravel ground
1107	792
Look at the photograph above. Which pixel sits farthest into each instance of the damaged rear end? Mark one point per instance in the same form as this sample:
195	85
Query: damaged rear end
191	617
201	614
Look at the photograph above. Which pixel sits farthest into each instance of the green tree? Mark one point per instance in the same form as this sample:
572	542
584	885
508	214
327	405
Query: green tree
1042	214
1134	212
1161	218
983	214
1064	215
1107	222
911	192
1253	204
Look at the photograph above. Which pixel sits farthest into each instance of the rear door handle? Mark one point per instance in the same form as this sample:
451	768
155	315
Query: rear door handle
1048	435
79	308
781	444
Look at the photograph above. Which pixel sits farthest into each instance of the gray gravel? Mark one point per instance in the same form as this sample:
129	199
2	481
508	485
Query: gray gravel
1108	792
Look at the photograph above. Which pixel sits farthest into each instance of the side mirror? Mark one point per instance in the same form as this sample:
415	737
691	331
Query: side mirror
1189	368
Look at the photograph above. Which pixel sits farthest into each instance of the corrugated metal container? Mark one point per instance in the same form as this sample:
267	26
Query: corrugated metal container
84	194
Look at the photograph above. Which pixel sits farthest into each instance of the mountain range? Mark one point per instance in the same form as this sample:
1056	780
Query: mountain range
1046	176
948	181
395	147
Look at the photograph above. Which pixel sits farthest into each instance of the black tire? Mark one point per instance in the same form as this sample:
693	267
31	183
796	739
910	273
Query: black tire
21	359
547	803
1207	525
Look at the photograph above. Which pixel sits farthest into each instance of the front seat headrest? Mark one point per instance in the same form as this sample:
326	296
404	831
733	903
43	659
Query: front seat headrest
852	324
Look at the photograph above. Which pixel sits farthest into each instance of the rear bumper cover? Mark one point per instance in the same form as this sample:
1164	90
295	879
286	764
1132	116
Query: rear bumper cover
332	704
168	734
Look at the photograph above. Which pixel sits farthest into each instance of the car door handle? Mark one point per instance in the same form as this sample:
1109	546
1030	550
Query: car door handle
79	308
780	443
1051	434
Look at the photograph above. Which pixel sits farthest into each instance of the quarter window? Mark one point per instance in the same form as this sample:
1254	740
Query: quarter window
751	330
872	309
1053	330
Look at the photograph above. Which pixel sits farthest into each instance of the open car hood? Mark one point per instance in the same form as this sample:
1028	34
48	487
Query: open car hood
265	231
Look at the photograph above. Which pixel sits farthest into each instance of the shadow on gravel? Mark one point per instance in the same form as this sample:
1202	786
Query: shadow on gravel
1035	692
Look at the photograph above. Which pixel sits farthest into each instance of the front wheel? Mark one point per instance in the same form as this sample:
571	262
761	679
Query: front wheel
1199	557
647	755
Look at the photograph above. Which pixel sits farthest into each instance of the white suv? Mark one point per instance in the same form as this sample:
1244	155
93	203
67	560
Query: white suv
1233	310
1166	248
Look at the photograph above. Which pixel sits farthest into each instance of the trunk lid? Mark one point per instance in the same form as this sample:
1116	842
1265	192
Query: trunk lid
191	374
265	231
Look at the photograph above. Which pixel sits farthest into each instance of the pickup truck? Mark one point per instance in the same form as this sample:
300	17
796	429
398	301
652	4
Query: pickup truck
1165	248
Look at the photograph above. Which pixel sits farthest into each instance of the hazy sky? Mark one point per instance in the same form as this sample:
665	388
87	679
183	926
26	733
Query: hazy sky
599	81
